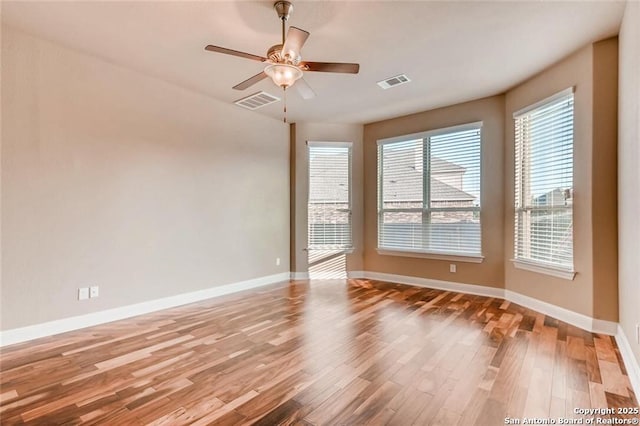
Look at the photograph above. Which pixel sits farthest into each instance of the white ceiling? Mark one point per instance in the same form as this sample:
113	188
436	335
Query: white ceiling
452	51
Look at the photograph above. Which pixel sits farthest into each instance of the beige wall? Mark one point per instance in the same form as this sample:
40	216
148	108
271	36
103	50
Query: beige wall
116	179
488	273
324	132
629	174
604	201
1	68
592	71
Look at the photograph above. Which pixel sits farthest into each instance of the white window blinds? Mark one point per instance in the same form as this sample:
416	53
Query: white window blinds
329	207
429	192
544	183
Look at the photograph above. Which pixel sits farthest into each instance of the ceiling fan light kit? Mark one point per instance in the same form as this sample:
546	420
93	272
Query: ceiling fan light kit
284	63
283	75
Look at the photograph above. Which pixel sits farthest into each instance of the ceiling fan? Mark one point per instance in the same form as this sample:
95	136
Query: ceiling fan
284	62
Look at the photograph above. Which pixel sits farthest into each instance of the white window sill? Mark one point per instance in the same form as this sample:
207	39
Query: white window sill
432	255
544	269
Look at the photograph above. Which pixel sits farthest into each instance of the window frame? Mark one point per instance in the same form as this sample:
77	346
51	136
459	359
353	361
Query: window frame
521	262
426	208
349	210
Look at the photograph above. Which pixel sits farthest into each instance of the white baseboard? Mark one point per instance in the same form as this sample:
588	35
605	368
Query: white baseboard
429	283
299	275
23	334
574	318
579	320
630	362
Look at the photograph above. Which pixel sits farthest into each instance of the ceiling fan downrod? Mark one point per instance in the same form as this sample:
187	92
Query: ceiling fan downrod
284	9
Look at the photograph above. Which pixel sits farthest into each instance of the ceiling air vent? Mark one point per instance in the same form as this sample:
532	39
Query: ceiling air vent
394	81
257	100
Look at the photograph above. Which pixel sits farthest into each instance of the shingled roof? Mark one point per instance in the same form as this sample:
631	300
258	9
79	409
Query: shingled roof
409	188
438	165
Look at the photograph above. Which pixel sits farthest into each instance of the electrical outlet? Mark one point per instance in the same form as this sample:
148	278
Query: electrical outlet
94	291
83	293
452	267
277	261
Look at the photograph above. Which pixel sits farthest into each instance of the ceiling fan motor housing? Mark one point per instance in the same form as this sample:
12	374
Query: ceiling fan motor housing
275	55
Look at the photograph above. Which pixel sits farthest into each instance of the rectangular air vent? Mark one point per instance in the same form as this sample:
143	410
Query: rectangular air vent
257	100
394	81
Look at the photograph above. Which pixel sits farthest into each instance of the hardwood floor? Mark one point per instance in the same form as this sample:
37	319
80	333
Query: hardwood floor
334	352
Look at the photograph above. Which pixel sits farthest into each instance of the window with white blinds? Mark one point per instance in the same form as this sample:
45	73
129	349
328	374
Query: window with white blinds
429	192
329	207
544	183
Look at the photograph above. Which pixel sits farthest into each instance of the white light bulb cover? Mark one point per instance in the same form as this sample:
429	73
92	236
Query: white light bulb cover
283	75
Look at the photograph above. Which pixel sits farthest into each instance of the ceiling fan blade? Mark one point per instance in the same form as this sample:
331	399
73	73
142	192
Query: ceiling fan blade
294	41
304	89
331	67
250	81
212	48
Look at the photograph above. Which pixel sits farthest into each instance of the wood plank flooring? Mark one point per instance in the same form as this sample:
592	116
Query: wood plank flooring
317	353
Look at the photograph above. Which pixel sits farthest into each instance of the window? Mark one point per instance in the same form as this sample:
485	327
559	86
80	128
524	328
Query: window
544	184
329	207
429	192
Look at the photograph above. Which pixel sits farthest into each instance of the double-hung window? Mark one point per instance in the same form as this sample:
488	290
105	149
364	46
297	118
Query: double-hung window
329	207
544	186
429	192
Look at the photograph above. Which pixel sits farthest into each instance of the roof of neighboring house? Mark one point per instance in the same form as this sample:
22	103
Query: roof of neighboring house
438	165
413	157
441	191
555	197
409	188
407	185
335	185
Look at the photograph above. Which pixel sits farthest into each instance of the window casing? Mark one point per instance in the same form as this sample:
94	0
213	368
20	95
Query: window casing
544	184
329	204
429	192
